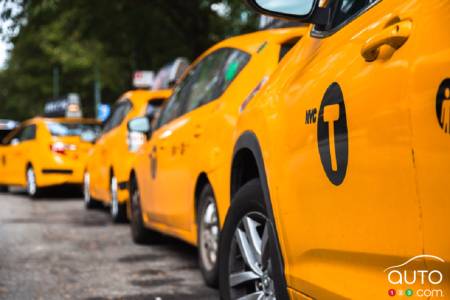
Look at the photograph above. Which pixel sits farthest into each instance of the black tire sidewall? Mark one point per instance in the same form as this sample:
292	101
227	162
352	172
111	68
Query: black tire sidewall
211	277
139	233
248	199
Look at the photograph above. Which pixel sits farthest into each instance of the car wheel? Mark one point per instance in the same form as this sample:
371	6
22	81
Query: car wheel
118	210
251	265
140	234
208	231
33	190
89	202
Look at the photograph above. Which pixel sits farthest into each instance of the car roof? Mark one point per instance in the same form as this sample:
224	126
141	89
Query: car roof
62	120
144	96
251	42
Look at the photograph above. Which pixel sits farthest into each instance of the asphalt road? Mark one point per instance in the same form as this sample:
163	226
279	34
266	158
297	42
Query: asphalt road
53	248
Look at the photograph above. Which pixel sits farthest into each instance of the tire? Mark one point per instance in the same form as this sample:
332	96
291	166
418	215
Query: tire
118	210
140	234
4	188
33	190
248	227
89	202
208	232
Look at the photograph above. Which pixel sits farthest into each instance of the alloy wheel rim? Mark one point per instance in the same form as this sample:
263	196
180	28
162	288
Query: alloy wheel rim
209	235
87	183
250	273
31	182
114	202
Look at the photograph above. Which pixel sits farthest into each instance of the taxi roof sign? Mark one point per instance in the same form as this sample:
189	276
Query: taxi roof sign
169	74
143	79
67	107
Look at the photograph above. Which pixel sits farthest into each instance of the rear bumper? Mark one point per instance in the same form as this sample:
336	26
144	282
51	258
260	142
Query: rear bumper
59	176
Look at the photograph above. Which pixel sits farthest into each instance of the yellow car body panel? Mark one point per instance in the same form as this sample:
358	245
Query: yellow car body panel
111	152
373	195
196	146
50	168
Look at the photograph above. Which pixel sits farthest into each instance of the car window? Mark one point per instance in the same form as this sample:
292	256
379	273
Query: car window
72	129
4	133
118	114
12	135
205	82
153	106
217	72
347	9
173	107
28	133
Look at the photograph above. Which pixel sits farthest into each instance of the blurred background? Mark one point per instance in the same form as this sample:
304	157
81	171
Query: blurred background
50	48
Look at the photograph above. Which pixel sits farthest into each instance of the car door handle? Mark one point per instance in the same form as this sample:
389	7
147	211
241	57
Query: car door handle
198	131
394	35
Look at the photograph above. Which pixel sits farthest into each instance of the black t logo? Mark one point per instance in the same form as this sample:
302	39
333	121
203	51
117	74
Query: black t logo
332	134
443	105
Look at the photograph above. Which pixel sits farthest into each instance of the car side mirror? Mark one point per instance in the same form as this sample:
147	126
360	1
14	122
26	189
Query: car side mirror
306	11
15	141
140	125
88	136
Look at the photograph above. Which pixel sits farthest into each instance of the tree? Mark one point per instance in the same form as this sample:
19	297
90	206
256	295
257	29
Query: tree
112	38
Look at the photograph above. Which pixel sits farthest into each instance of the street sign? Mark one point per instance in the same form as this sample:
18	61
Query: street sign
103	112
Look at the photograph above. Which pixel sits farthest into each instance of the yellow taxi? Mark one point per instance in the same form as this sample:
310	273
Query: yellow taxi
177	185
339	179
108	167
45	152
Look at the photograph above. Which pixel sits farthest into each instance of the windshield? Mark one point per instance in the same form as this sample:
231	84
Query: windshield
73	129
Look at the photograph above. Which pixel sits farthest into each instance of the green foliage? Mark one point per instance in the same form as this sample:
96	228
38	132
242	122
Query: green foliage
112	38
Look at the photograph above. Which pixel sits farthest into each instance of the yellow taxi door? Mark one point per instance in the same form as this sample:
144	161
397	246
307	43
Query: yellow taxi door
178	166
20	154
3	172
210	80
429	97
347	193
94	169
5	156
109	145
163	179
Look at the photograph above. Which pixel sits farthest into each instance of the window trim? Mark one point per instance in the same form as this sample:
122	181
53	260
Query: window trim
321	34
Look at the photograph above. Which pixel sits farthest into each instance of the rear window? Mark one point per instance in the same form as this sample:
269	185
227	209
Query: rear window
72	129
4	133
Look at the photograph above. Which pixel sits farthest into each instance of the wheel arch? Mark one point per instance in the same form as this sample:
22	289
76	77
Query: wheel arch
202	181
132	179
248	154
248	164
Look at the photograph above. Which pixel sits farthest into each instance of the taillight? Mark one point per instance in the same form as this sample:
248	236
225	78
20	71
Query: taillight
61	148
58	147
